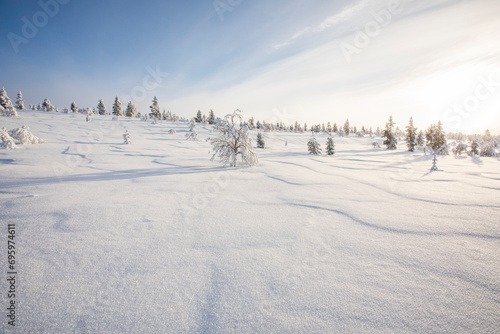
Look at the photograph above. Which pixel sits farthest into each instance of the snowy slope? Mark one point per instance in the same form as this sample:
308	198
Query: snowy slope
154	237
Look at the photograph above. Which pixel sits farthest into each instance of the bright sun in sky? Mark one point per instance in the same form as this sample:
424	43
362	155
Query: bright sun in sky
283	61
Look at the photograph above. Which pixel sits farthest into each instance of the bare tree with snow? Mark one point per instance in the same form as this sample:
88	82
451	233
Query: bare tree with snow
234	140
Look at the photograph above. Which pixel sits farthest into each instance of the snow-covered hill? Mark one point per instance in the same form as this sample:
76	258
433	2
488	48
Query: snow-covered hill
153	237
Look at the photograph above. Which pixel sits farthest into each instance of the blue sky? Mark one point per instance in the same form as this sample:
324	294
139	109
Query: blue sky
314	61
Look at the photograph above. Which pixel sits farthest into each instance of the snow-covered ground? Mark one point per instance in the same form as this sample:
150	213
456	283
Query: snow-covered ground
153	237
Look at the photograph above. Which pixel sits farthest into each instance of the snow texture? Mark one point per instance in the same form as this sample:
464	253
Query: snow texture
155	238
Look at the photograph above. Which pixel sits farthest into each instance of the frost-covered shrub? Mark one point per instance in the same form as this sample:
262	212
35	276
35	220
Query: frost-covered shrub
24	136
171	131
487	150
192	134
126	138
6	141
461	148
9	112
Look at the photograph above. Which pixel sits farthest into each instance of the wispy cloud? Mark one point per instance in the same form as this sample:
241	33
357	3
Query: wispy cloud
344	15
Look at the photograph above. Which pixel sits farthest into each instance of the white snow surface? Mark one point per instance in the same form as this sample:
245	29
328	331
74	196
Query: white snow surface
153	237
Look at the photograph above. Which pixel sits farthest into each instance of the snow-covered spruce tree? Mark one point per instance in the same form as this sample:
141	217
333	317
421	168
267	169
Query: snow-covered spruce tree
347	128
20	102
89	114
411	136
5	101
199	117
24	136
126	138
101	108
234	140
335	128
9	112
313	146
390	141
47	106
330	146
192	134
130	111
474	148
73	107
6	141
420	139
260	140
155	109
211	118
117	107
436	139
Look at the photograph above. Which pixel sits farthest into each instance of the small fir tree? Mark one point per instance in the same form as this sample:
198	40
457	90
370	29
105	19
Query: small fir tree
20	102
199	117
130	111
73	107
101	108
390	141
474	148
411	136
5	101
192	134
347	128
155	109
260	140
313	146
117	107
126	138
330	146
420	139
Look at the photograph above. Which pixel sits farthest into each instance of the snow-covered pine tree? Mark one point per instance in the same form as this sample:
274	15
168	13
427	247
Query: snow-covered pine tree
313	146
420	139
330	146
20	102
328	128
335	128
155	109
73	107
47	106
117	107
130	111
101	108
436	139
199	117
390	138
411	136
126	138
234	140
260	140
347	128
474	148
192	134
89	114
5	101
211	119
9	112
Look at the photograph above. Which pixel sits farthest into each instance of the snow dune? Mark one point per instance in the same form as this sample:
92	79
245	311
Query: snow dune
154	237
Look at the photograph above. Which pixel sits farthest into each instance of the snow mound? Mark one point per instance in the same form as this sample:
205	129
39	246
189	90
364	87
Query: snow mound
6	141
24	136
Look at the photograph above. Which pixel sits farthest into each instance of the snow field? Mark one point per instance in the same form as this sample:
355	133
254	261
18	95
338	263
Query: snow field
154	237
